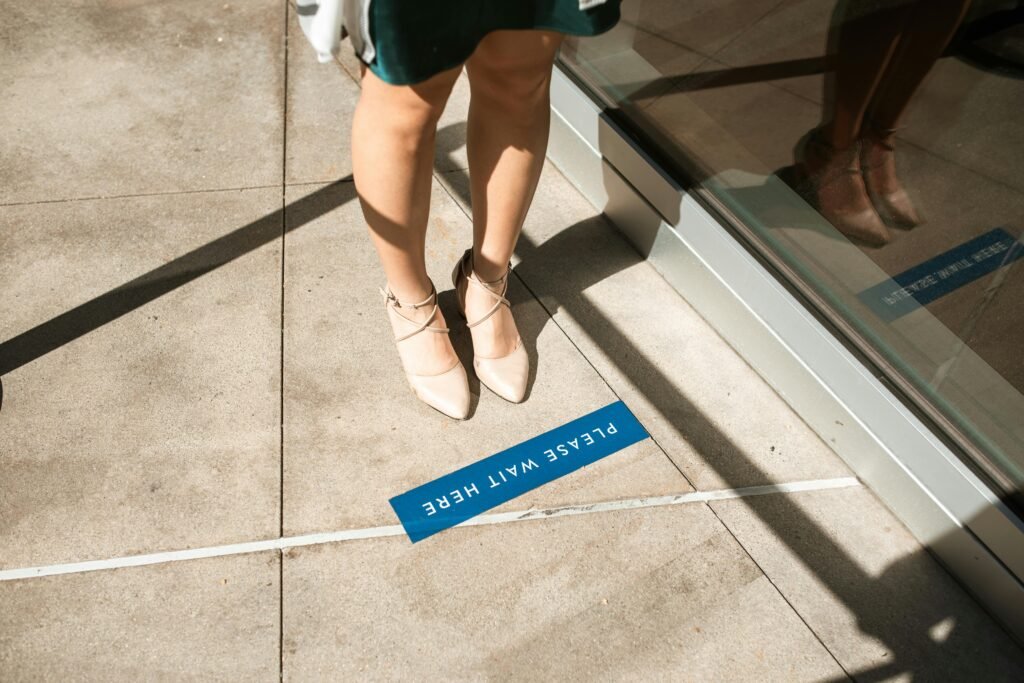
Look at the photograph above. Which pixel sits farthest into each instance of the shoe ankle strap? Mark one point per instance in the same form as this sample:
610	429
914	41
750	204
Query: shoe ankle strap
472	278
390	298
392	301
884	136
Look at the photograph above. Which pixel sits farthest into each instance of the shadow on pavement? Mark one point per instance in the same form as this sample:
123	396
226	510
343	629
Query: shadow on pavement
68	326
897	607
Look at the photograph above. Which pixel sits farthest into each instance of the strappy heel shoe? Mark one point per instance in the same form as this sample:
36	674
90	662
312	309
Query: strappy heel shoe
506	375
447	391
830	179
878	164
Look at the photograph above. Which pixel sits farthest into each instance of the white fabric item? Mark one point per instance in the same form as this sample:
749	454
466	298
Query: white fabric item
326	22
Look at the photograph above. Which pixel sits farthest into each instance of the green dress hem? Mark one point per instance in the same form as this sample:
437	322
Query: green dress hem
413	42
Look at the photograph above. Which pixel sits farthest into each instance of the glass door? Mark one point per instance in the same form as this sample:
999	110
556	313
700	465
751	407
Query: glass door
873	152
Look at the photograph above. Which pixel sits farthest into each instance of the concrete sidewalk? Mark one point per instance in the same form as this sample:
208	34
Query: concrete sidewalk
194	354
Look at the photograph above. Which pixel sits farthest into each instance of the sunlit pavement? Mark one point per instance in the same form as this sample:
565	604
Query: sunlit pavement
195	358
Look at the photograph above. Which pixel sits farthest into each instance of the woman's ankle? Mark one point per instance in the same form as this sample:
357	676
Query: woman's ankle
488	270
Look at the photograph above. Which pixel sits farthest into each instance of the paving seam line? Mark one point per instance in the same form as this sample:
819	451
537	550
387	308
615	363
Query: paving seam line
397	530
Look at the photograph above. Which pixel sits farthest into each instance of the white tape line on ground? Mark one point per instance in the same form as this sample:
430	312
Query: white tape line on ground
659	501
397	530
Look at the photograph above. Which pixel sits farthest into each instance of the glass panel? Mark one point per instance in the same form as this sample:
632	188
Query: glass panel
874	151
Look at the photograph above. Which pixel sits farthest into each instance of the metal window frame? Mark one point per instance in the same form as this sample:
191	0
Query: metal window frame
947	507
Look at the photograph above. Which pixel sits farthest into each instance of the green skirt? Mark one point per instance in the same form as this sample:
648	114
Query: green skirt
416	39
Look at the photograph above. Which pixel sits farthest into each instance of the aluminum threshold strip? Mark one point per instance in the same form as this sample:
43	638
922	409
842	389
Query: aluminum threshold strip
945	505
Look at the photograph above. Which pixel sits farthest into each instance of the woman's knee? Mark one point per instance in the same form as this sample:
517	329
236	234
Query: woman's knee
513	72
419	104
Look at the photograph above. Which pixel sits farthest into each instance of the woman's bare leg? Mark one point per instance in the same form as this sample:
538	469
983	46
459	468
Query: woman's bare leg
507	137
392	158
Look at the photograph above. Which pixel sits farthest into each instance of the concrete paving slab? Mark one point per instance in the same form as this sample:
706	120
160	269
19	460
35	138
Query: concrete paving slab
880	603
656	594
355	435
204	620
127	98
141	374
321	102
689	388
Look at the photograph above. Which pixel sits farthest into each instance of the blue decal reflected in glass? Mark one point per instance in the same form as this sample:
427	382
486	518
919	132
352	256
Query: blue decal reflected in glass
942	274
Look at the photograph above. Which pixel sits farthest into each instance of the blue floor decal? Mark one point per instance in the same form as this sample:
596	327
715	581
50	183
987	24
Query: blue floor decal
476	488
942	274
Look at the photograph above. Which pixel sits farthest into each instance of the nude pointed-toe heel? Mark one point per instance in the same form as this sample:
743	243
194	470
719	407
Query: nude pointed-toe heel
446	392
507	376
830	180
878	165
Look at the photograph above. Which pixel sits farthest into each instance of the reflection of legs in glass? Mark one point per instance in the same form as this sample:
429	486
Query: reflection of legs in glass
862	42
930	26
881	51
392	158
506	137
830	179
878	163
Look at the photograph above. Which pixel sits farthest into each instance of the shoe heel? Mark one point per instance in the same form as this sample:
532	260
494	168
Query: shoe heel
459	303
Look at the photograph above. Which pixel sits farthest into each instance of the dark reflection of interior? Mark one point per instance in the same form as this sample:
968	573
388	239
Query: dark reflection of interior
898	121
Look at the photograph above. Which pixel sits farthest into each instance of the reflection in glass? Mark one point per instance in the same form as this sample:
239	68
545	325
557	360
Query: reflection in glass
872	150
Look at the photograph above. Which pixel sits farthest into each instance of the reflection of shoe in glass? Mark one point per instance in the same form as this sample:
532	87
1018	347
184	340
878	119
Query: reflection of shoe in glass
878	164
830	179
507	374
445	390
